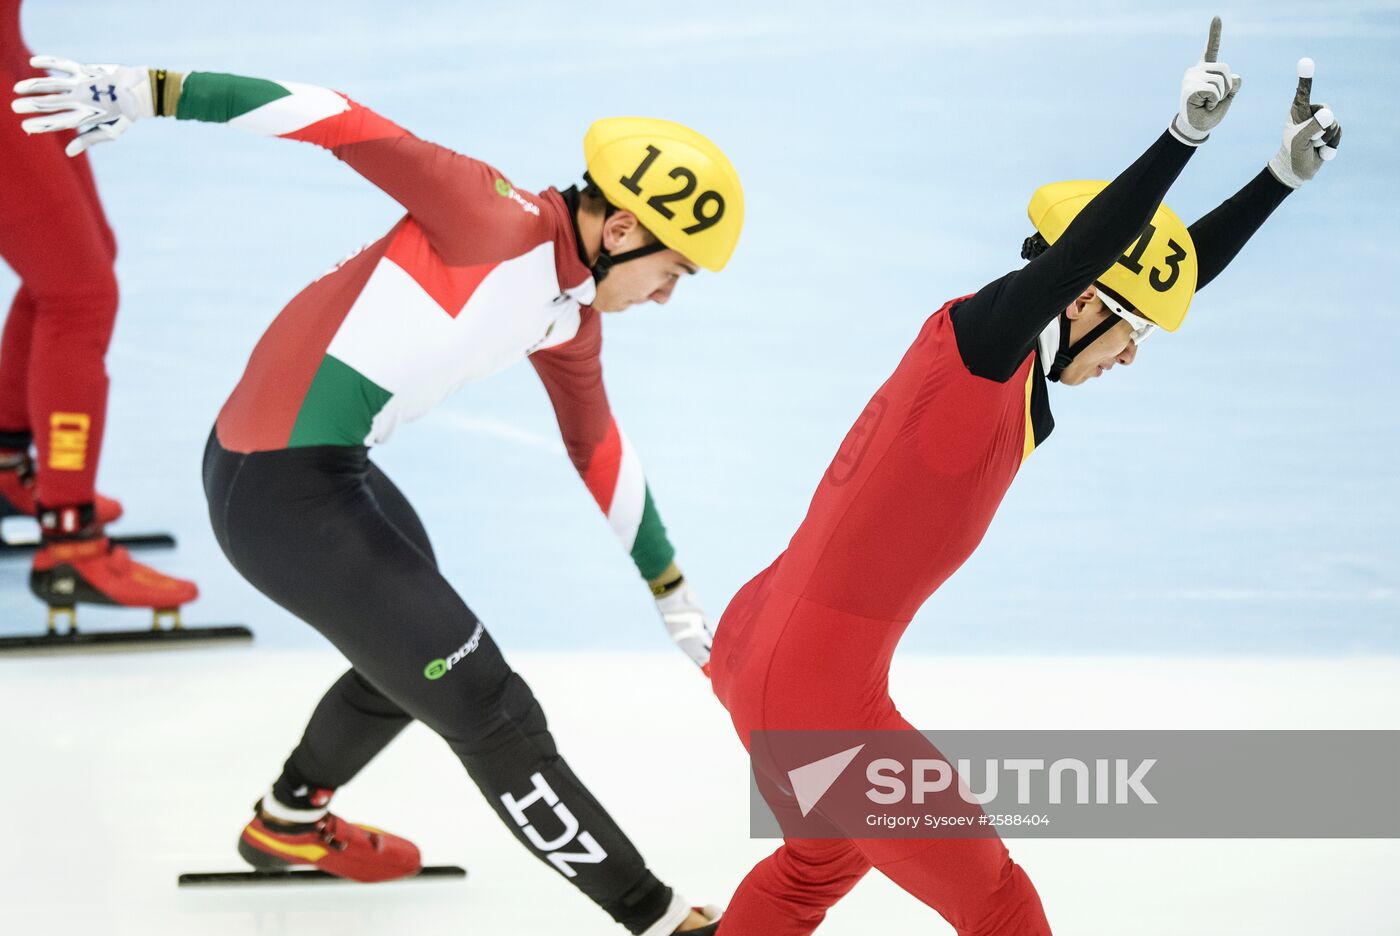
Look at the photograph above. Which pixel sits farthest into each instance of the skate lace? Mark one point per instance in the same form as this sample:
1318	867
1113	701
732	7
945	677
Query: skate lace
330	833
25	472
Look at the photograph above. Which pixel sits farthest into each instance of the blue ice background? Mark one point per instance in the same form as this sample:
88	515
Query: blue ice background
1235	491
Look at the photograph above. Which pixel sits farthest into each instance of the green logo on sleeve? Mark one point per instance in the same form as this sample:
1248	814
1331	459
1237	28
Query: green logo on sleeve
436	669
504	189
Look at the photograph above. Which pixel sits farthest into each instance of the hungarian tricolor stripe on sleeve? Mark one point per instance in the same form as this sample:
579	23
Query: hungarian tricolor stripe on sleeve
281	109
614	477
572	373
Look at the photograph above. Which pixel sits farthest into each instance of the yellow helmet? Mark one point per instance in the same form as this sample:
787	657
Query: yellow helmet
1155	279
677	183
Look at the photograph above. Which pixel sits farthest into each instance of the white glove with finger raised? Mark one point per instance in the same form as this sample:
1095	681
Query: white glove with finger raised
1207	90
98	101
1311	134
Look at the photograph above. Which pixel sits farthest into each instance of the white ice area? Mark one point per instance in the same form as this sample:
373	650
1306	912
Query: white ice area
122	771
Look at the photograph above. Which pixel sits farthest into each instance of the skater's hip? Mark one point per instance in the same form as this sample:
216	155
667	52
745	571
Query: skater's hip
293	471
782	661
257	496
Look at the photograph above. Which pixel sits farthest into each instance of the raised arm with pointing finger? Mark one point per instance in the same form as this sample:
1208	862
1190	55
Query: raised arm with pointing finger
1311	135
1002	322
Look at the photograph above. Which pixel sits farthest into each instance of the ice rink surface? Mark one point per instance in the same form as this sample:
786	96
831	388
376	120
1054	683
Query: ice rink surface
106	813
1207	540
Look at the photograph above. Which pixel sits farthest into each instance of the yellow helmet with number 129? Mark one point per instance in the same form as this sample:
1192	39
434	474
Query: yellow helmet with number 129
1155	279
680	185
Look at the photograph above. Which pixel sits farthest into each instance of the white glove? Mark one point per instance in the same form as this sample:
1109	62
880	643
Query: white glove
1207	89
99	101
685	622
1310	135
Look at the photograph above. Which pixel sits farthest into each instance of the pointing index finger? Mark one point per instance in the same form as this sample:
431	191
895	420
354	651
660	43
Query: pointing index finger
1213	43
1302	98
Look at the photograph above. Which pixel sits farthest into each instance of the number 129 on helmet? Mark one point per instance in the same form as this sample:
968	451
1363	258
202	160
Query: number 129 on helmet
677	182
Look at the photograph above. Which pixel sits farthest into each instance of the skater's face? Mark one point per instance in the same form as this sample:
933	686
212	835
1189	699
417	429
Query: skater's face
1114	346
646	279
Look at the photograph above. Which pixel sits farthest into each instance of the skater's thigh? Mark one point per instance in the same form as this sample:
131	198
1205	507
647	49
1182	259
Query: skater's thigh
946	873
46	205
330	556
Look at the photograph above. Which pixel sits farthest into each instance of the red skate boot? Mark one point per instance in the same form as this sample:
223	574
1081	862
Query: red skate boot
357	852
17	490
78	564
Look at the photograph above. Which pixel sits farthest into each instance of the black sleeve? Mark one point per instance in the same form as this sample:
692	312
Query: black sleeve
1220	235
998	326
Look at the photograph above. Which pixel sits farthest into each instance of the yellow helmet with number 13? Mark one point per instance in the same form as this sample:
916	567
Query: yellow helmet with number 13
1154	280
680	185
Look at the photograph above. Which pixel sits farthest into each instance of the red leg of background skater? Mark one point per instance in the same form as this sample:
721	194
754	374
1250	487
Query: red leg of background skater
72	293
14	364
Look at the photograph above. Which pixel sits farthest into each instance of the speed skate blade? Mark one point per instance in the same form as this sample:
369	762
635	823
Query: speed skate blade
147	639
301	876
26	547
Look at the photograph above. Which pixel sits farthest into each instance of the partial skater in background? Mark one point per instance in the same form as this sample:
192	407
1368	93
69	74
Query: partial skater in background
53	380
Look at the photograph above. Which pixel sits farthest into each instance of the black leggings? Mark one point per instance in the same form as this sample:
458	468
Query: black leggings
325	534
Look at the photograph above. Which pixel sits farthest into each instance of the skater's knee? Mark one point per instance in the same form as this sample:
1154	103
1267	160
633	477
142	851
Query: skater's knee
513	718
819	868
974	884
92	296
364	696
524	715
1012	909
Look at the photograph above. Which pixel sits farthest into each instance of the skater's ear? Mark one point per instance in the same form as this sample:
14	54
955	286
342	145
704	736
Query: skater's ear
622	231
1076	308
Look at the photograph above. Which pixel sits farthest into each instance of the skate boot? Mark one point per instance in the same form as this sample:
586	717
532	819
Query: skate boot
77	563
357	852
17	490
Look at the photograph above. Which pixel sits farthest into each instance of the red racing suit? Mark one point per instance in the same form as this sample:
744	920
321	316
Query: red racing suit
807	644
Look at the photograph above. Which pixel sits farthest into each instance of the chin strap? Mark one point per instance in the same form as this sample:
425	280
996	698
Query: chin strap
1068	352
1062	356
606	261
601	267
1065	353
